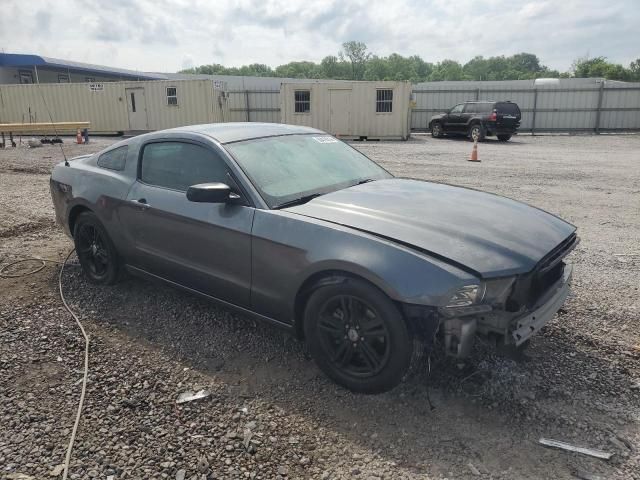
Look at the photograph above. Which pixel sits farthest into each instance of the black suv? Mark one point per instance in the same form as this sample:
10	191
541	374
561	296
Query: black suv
478	120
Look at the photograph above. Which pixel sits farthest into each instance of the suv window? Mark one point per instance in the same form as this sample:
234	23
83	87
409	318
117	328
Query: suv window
178	165
115	159
457	108
507	108
479	107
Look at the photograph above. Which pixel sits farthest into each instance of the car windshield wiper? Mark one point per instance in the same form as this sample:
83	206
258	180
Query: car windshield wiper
297	201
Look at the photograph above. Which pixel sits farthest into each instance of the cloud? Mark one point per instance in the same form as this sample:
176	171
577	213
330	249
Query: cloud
155	34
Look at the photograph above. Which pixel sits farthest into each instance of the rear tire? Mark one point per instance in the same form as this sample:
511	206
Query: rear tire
96	252
504	138
357	336
436	130
477	132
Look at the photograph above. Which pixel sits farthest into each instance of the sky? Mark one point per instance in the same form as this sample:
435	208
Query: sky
169	35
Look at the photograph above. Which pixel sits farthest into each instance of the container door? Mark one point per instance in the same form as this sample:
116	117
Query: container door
137	107
340	112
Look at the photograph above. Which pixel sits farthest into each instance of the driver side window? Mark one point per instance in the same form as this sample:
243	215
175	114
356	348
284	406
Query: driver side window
457	109
178	165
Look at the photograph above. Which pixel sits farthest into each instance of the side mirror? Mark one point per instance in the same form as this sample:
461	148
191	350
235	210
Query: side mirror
211	193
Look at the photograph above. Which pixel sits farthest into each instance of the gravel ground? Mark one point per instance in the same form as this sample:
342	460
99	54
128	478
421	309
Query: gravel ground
271	413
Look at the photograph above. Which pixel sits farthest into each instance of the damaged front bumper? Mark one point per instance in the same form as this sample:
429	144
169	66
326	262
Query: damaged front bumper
505	328
529	324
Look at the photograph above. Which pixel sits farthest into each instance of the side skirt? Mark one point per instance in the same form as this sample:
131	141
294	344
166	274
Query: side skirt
231	306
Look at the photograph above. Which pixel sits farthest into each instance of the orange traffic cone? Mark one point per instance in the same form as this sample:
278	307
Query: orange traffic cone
474	152
78	137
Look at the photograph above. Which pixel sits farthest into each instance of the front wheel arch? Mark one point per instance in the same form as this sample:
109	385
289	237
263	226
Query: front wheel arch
74	214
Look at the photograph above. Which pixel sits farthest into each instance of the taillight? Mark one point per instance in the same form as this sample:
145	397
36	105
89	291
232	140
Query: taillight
493	117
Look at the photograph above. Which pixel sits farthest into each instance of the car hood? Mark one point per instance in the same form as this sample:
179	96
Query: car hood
486	233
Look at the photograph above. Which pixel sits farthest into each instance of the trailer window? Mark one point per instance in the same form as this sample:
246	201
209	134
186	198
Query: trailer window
384	101
62	78
302	101
172	96
115	159
25	76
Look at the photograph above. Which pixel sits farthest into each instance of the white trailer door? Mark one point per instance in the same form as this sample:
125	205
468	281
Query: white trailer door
340	112
137	107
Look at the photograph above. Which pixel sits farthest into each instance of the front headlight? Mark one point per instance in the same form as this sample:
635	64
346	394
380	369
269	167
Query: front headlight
467	295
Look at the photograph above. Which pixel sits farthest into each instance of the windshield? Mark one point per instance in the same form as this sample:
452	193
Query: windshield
290	167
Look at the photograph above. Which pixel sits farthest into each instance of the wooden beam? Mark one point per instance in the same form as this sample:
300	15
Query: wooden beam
46	127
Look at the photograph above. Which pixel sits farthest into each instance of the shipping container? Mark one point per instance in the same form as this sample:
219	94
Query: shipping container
350	110
113	107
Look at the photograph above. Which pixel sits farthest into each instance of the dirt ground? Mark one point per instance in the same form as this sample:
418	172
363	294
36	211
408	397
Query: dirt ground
271	413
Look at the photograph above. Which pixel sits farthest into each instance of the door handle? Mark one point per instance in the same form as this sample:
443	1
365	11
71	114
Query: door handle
141	203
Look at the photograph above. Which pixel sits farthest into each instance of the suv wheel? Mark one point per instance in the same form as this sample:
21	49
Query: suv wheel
504	138
476	132
357	336
436	130
97	255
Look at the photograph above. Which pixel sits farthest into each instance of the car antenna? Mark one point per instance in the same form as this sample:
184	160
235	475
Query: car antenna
55	130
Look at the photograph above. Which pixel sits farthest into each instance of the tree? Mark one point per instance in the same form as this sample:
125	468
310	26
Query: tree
298	70
357	54
635	70
354	62
599	67
332	67
447	70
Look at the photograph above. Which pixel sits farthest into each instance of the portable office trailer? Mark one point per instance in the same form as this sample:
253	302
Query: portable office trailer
351	110
117	106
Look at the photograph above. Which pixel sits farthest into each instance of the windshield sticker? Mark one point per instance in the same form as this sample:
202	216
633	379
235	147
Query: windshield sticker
325	139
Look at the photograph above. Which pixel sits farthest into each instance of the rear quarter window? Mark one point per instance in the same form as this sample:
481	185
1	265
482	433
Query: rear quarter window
508	109
115	159
478	108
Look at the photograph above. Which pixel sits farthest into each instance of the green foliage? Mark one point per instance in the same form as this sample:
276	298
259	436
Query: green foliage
600	67
356	54
354	62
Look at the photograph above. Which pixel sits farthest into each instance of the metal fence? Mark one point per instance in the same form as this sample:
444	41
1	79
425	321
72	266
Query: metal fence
254	105
568	105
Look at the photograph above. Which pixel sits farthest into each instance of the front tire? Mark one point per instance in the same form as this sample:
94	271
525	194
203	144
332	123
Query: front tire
436	130
477	132
357	336
504	138
96	252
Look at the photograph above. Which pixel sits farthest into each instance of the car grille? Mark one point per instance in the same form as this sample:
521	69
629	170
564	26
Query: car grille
529	288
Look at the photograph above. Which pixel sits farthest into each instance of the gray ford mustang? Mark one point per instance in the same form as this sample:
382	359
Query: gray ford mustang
296	227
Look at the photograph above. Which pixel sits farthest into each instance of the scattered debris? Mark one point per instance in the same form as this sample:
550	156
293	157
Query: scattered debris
628	443
618	444
473	469
584	475
585	451
248	435
203	464
189	396
57	470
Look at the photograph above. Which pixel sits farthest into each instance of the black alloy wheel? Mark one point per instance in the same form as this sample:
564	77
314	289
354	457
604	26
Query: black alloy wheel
358	336
353	336
97	255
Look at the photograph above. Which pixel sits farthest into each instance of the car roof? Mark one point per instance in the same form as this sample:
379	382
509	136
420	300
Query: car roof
238	131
